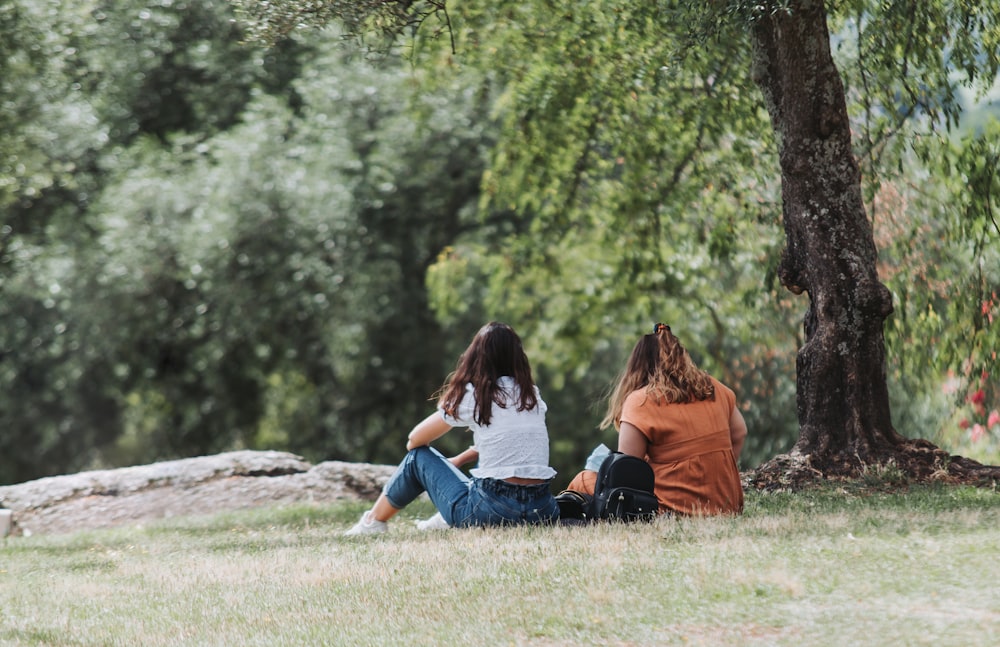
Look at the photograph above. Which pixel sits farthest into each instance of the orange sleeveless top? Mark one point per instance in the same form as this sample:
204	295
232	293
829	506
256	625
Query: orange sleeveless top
690	451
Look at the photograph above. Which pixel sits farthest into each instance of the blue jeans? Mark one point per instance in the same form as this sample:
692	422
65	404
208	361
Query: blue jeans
464	501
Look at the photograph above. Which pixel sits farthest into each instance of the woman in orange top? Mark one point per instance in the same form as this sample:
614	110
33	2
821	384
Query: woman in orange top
683	422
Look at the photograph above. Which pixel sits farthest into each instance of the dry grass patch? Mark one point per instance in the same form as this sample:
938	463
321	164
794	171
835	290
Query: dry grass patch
820	568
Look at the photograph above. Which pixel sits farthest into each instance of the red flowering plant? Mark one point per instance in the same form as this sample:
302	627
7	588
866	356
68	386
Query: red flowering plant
977	418
977	400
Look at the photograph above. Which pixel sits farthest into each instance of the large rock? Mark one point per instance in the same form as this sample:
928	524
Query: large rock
190	486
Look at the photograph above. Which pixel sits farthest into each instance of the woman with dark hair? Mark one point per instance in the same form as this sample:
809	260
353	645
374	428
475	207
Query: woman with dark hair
683	422
492	392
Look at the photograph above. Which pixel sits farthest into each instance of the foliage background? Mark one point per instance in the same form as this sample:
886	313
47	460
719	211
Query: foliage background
207	244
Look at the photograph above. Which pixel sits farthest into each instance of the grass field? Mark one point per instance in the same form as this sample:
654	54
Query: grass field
830	567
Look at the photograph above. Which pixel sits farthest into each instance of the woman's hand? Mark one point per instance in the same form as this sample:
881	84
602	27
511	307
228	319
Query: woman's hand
468	456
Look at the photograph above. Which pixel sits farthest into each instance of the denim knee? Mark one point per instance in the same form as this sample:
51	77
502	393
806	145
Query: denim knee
425	469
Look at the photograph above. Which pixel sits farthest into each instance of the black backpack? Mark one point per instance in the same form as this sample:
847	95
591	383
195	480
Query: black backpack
624	490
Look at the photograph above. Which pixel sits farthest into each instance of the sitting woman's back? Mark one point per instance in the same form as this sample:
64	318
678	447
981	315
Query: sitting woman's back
684	422
690	448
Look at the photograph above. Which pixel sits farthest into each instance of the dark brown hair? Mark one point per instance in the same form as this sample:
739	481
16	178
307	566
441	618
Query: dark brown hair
494	352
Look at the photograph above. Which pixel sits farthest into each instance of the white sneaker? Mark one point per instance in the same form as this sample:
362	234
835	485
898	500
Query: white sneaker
367	526
436	522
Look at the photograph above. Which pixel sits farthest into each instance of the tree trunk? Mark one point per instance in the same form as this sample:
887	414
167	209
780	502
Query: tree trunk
842	397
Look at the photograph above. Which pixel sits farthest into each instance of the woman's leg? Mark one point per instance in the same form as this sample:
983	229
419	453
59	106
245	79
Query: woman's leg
494	502
383	510
423	469
461	501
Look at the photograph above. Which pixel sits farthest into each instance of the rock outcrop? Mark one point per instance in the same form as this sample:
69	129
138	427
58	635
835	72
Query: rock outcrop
190	486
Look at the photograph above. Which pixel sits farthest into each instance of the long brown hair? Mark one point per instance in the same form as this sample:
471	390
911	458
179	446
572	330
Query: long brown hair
661	366
496	351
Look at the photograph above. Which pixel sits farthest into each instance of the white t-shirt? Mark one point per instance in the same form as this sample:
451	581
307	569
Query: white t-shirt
515	443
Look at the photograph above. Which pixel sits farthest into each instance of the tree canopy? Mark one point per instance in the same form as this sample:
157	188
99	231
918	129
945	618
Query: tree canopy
220	234
594	122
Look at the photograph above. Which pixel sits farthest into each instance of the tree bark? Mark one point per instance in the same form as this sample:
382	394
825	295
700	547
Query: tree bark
842	396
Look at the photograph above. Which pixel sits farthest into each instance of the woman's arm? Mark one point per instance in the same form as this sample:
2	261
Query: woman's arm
737	432
427	431
631	441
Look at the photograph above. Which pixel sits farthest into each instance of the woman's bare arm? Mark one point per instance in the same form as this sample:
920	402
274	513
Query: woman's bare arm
631	441
427	431
737	432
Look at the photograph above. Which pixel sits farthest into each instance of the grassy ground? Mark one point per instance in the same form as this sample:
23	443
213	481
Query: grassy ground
830	567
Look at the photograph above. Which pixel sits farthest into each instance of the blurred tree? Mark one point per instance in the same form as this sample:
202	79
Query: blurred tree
49	140
247	253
